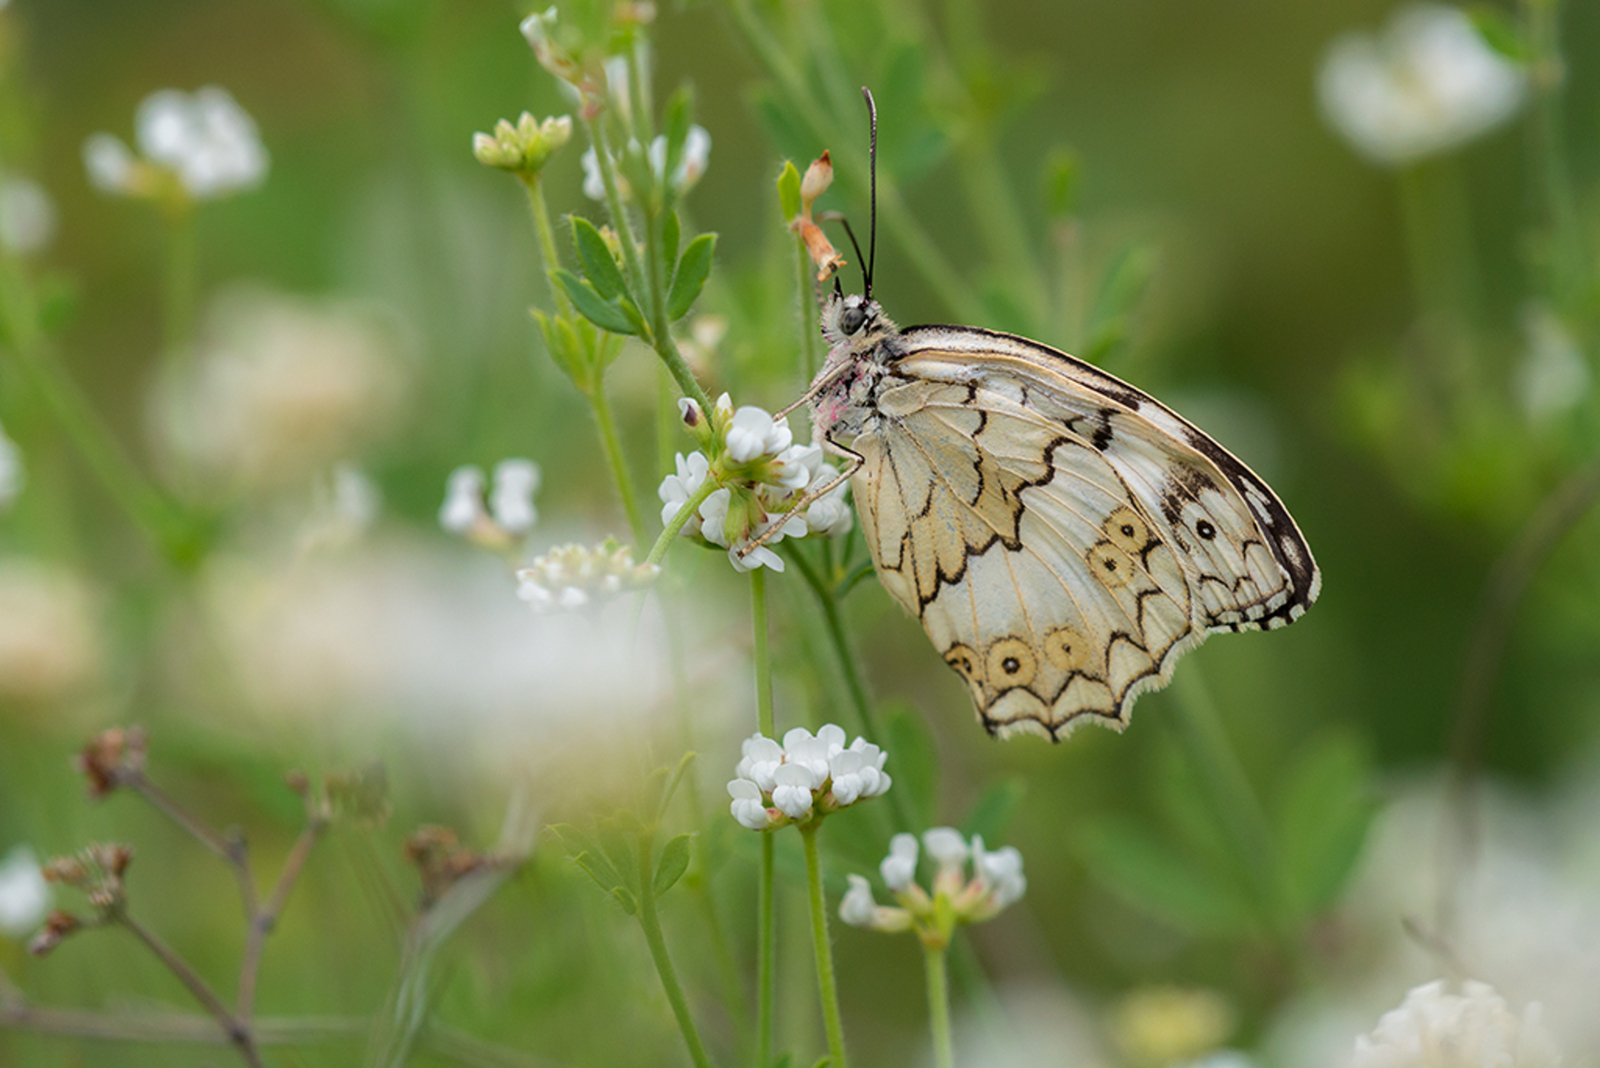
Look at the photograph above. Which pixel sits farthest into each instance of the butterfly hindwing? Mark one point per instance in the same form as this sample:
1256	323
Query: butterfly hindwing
1062	537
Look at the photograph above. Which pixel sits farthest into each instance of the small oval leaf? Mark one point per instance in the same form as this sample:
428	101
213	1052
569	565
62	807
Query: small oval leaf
690	277
674	862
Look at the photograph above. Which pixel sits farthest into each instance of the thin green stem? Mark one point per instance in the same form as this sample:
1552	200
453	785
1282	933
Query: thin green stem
237	1030
832	1021
651	922
763	654
178	285
659	550
661	328
547	241
939	1005
766	955
152	512
618	463
596	132
1548	75
1235	806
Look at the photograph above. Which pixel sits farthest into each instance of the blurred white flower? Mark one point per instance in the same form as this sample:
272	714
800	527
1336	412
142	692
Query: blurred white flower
1474	1029
500	519
24	894
1430	83
675	490
13	476
463	507
516	480
570	577
691	166
204	139
279	388
27	216
50	642
345	504
806	773
1553	376
997	882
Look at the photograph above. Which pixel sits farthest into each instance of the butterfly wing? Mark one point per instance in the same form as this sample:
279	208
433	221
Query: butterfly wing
1062	536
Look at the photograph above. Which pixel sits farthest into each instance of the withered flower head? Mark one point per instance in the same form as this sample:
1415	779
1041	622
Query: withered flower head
111	758
441	860
57	926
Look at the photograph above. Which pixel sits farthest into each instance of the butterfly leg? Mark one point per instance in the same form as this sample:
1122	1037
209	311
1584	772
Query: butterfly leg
853	460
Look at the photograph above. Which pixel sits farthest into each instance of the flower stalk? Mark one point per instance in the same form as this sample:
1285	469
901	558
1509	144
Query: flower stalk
935	967
832	1021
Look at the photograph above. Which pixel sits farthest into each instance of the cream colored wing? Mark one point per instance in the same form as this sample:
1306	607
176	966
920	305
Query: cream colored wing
1062	546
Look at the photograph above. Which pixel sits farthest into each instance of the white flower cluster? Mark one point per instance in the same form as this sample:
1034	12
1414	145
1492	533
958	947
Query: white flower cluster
996	883
691	165
13	476
204	140
1474	1029
24	894
571	577
27	216
491	516
779	784
760	473
1429	84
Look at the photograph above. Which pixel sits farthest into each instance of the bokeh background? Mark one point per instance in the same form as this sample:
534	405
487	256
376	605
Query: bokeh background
1183	208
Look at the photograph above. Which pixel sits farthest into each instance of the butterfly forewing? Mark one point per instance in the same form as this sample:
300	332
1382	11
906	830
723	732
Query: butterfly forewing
1062	537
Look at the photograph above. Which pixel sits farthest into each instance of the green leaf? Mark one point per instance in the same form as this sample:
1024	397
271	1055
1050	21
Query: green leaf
669	243
625	899
789	190
1500	32
1146	873
916	762
605	314
992	813
586	856
690	277
1121	289
679	116
561	341
1324	812
1063	173
824	1062
674	782
674	862
620	847
598	264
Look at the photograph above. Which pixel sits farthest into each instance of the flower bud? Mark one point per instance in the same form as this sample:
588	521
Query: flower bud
816	181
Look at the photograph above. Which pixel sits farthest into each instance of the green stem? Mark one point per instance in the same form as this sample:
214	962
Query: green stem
766	956
596	132
832	1022
939	1006
658	952
661	329
1233	801
690	507
547	241
178	296
1548	76
809	359
152	512
763	655
612	445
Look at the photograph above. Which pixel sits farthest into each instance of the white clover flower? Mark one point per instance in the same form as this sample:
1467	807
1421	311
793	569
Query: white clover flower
691	165
27	216
899	868
859	909
204	139
511	501
463	507
278	390
755	433
808	773
1553	376
1429	84
675	490
997	882
13	475
571	577
24	893
1474	1029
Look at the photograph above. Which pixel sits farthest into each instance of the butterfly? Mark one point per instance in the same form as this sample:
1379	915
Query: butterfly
1062	536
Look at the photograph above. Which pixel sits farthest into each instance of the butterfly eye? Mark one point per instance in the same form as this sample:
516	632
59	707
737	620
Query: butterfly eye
852	318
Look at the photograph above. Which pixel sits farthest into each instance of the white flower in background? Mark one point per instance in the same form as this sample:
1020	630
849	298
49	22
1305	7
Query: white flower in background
203	140
279	389
808	774
50	642
13	476
691	165
1428	84
570	577
24	893
1553	376
996	882
1170	1024
496	518
760	474
1474	1029
27	216
345	504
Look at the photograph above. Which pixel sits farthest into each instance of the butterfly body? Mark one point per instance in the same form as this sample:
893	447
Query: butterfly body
1062	536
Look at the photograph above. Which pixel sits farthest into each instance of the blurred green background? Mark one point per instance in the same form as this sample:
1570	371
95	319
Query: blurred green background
1272	299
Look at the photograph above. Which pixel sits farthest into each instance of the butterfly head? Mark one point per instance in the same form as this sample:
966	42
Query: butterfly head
854	323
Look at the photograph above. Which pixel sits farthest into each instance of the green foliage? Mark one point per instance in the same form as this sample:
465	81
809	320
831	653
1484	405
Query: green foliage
689	278
916	762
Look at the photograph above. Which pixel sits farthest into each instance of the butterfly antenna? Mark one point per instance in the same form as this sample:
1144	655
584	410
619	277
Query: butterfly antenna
834	216
872	225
